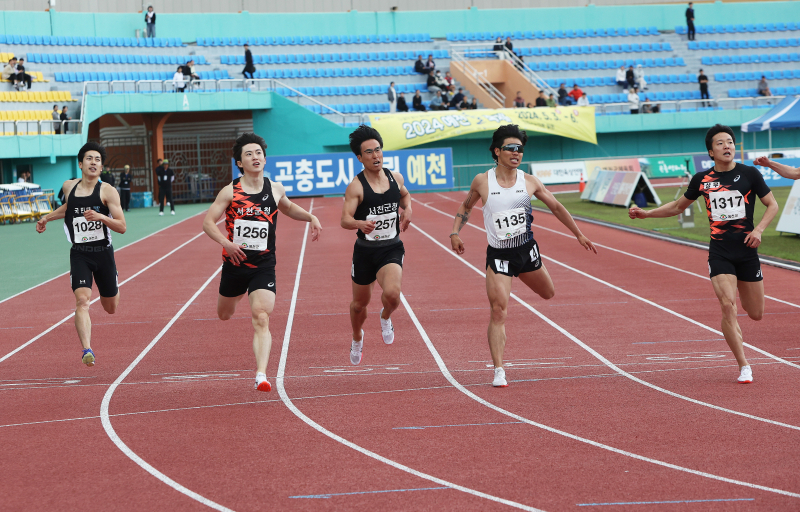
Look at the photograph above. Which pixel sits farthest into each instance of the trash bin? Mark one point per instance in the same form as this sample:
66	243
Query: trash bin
147	199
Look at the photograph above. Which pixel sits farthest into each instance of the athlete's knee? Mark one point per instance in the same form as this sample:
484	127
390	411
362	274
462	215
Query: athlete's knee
499	313
358	306
728	307
392	296
224	314
547	294
110	307
756	314
82	303
260	319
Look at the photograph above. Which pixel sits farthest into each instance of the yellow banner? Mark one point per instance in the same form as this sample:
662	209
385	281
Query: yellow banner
407	129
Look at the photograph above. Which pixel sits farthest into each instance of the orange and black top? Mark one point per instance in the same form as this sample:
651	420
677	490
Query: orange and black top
730	199
251	220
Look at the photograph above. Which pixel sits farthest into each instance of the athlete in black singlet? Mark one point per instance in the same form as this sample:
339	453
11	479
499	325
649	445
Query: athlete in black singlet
91	211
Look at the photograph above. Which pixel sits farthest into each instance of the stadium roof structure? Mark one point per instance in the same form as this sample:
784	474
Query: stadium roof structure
785	115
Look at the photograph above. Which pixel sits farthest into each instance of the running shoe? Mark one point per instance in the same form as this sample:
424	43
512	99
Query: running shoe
172	212
746	375
262	384
355	350
387	329
500	378
160	214
88	357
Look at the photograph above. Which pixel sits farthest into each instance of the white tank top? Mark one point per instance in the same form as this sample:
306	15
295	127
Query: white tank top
507	213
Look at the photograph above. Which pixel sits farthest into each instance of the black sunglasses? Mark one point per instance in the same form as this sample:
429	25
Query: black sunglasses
519	148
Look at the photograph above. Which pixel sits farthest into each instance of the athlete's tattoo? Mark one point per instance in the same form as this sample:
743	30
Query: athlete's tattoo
464	218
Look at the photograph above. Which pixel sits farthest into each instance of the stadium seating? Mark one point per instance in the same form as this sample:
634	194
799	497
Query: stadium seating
740	29
156	42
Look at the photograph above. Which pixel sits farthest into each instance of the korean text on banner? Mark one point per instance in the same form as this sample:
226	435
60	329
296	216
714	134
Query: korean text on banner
404	130
666	166
330	173
790	217
559	172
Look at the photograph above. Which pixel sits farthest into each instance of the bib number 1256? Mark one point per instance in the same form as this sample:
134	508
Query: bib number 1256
251	234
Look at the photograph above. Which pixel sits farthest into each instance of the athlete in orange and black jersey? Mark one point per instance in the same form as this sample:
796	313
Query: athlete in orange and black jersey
730	199
257	216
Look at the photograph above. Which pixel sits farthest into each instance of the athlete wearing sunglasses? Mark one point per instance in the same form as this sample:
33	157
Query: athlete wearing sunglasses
506	193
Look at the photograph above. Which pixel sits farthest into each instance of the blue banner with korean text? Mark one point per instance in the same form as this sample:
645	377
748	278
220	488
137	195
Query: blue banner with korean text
330	173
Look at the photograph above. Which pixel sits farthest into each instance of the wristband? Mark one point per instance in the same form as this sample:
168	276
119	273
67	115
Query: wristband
451	234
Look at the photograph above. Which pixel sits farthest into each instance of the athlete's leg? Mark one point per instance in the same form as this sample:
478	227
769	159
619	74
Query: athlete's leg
390	277
725	288
752	296
362	294
540	282
262	302
498	289
226	306
110	303
83	324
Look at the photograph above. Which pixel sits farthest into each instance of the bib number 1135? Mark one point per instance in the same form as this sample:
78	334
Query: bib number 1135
509	223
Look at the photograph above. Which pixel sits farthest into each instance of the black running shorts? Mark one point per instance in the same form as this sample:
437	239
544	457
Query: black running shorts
735	258
97	262
236	281
367	261
514	261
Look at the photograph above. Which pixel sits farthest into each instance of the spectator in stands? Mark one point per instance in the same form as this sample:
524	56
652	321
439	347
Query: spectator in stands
150	21
499	48
575	93
189	73
22	76
621	78
449	79
249	67
519	102
563	96
541	100
521	64
392	97
473	105
56	120
690	22
432	85
630	78
633	100
763	87
177	80
416	102
702	79
10	72
509	45
583	101
65	117
641	82
419	66
430	65
437	103
440	81
458	100
551	101
125	179
401	104
24	177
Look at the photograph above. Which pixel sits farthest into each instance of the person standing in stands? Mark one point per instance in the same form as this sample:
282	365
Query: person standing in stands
509	45
56	120
519	101
690	22
541	101
402	106
177	80
702	79
499	48
150	21
165	177
65	117
249	67
633	100
392	97
125	179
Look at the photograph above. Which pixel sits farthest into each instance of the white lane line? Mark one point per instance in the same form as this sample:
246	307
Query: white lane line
457	385
106	420
115	251
173	251
637	297
605	361
319	428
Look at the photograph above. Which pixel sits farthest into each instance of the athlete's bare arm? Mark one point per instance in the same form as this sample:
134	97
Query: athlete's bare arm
753	239
216	210
540	192
782	169
477	190
116	220
353	196
60	212
405	201
665	210
293	211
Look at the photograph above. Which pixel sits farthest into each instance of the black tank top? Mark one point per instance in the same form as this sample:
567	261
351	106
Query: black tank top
251	220
382	209
81	231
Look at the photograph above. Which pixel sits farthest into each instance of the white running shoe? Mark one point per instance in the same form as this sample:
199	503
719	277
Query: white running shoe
499	378
160	214
172	212
262	384
387	329
355	350
746	375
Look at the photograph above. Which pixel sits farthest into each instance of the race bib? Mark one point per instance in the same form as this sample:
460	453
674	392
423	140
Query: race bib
509	223
87	230
726	205
251	234
385	227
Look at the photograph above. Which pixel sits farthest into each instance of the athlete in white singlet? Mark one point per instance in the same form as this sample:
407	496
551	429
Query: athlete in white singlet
506	193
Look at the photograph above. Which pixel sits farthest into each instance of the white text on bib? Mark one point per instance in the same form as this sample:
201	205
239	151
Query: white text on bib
726	205
251	234
509	223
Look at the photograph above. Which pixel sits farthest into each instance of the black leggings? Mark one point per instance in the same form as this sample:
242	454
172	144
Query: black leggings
125	196
162	193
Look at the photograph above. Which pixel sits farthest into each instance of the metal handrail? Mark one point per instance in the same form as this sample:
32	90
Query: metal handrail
528	73
460	58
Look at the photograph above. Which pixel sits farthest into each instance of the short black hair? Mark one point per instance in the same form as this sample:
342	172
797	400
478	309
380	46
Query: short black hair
718	128
245	139
362	134
92	146
503	133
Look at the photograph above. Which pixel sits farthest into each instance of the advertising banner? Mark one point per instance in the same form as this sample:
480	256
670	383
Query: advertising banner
790	217
330	173
593	167
406	129
666	166
559	172
703	162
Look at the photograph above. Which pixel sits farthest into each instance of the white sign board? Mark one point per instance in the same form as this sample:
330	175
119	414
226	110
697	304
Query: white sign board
790	218
559	172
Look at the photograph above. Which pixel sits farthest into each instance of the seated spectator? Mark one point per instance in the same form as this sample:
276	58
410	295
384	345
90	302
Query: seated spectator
22	76
416	102
177	81
436	102
430	65
449	79
473	105
10	72
551	101
419	66
575	93
641	83
499	48
656	109
763	87
440	81
563	97
541	101
458	99
432	85
630	78
633	100
621	81
583	101
519	102
401	103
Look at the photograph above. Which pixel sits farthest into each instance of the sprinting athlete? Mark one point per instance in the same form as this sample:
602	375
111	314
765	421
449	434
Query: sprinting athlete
782	169
91	211
251	204
729	190
371	204
506	193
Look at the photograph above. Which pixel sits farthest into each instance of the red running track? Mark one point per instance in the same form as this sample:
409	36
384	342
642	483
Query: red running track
187	407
